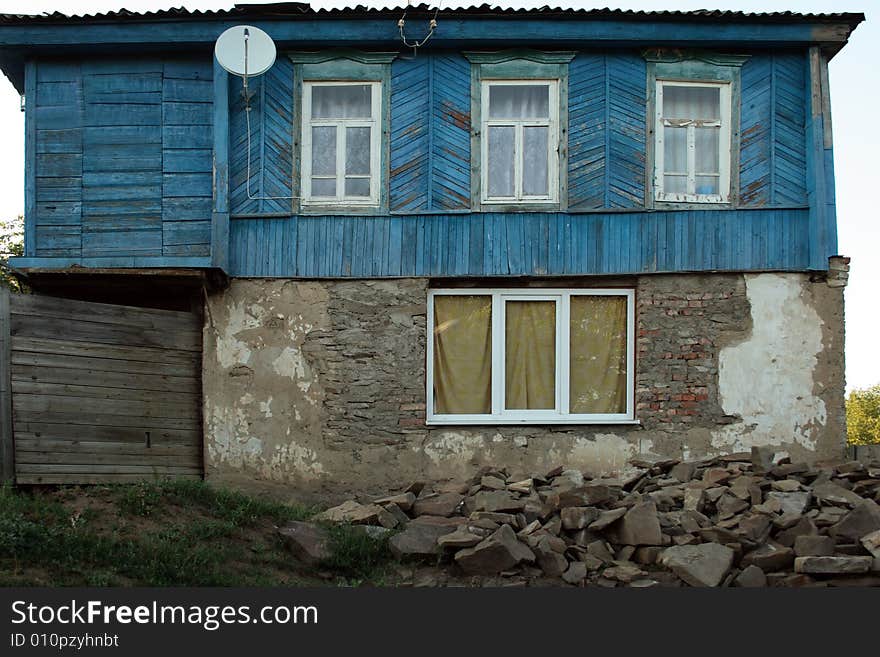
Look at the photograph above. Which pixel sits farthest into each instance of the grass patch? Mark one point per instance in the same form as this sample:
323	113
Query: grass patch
357	556
174	533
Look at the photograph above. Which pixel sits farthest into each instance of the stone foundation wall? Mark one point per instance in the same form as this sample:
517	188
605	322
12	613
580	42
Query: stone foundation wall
316	389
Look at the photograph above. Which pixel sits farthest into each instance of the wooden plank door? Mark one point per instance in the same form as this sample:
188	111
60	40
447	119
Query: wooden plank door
103	393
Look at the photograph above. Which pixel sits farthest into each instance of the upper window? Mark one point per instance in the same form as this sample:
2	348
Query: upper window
341	143
530	356
520	127
692	149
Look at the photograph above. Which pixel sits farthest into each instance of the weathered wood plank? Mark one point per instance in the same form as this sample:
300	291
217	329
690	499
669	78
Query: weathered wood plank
7	452
103	420
76	330
105	448
100	369
90	469
80	479
43	430
34	304
27	457
97	350
37	387
89	406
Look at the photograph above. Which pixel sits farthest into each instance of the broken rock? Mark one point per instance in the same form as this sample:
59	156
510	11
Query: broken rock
443	504
498	552
307	542
751	577
699	565
356	514
862	520
832	565
814	546
418	540
578	517
640	526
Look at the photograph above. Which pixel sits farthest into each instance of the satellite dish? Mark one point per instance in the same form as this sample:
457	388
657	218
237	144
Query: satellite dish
245	51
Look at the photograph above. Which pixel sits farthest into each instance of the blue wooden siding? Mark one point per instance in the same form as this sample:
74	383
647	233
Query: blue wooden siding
607	105
271	142
773	149
58	166
497	244
124	152
187	142
123	158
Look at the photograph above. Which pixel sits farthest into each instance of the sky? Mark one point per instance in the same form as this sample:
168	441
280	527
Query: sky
855	96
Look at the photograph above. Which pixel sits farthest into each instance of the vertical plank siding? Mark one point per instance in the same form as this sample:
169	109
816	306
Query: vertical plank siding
411	126
271	150
773	149
101	393
450	171
498	244
607	108
127	165
430	134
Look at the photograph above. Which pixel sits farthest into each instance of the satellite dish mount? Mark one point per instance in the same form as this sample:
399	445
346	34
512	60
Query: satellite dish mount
247	51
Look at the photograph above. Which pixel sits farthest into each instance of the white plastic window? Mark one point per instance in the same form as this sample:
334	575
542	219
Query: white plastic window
520	124
530	356
341	143
692	146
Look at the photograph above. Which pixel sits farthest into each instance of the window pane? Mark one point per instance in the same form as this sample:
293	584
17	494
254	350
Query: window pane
675	184
535	161
530	355
501	148
357	187
691	102
707	185
519	101
675	149
324	150
463	354
706	145
350	101
323	187
598	354
357	151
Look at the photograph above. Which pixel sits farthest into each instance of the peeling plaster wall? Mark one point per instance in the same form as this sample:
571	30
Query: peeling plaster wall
316	389
773	380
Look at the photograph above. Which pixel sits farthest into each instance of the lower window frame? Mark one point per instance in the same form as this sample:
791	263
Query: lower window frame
559	415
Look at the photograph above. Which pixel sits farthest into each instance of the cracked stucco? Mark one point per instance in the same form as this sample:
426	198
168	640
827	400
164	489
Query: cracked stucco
767	380
315	390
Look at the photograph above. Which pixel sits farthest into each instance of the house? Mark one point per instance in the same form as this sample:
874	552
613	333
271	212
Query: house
541	237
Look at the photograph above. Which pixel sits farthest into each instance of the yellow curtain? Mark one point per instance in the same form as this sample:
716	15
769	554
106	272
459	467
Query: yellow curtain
530	355
598	354
462	354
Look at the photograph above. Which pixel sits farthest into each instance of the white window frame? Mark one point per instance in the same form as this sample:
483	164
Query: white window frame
724	145
560	414
552	124
375	125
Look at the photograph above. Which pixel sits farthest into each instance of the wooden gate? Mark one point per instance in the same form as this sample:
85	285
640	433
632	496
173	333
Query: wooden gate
98	393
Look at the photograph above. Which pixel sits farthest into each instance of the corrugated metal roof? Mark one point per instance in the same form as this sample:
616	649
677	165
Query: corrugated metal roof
300	10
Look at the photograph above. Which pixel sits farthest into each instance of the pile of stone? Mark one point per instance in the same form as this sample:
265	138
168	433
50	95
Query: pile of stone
739	520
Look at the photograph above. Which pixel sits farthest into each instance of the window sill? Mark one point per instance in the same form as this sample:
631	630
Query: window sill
501	206
433	422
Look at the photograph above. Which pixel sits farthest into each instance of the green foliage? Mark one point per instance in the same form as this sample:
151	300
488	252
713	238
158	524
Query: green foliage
11	244
356	556
863	416
151	542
